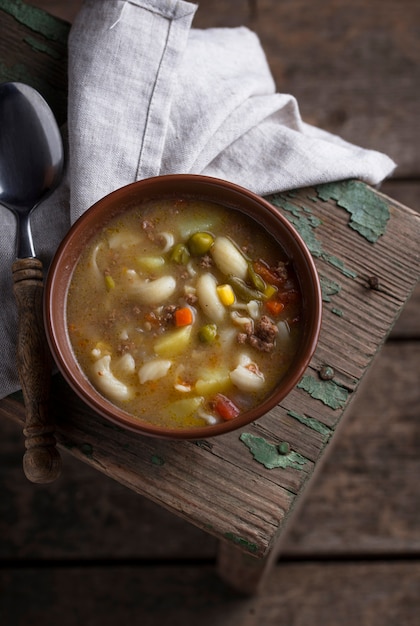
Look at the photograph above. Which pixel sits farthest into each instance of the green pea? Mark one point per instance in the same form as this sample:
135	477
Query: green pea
200	243
207	333
180	254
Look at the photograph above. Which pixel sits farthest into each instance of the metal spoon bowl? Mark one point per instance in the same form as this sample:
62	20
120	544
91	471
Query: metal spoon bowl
31	165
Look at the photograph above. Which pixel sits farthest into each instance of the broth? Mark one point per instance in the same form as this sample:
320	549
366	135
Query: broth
184	313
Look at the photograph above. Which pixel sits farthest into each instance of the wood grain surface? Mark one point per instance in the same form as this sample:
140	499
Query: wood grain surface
86	549
41	461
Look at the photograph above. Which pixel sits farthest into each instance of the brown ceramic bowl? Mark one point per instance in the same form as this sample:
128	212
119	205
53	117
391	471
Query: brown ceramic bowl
214	190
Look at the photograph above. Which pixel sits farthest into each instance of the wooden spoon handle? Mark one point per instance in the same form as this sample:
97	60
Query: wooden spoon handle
41	462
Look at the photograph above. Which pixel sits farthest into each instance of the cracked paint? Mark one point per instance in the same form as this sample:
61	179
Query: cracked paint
39	46
87	449
312	423
369	213
328	288
37	20
306	224
327	391
240	541
157	460
268	454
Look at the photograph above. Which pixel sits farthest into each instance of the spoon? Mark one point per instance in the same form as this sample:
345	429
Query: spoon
31	165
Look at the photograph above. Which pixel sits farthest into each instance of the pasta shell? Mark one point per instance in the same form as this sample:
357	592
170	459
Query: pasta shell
150	291
153	370
106	382
247	378
208	298
228	258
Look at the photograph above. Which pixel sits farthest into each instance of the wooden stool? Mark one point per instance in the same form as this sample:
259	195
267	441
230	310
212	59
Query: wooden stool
244	487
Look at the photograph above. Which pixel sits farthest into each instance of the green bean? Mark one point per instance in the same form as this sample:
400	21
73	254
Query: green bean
256	279
243	291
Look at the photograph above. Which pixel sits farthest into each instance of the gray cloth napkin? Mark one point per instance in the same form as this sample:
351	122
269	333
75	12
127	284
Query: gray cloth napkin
149	95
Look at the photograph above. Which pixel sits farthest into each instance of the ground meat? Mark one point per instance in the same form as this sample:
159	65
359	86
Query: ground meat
281	271
191	298
266	329
259	344
149	229
206	261
242	337
262	336
168	313
124	347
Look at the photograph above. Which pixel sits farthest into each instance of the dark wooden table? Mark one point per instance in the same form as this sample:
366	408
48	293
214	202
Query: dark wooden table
229	487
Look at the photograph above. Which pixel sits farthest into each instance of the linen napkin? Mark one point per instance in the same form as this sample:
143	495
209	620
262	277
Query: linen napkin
150	95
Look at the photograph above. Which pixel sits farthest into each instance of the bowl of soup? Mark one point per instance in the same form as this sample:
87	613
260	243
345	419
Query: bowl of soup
182	306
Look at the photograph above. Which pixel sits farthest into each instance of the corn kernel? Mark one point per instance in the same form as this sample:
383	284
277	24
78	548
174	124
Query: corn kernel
270	290
226	294
109	282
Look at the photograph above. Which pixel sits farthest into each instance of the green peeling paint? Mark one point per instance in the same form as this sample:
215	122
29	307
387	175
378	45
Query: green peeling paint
37	20
239	541
306	224
157	460
329	392
311	422
328	288
17	72
338	264
42	47
86	449
369	213
268	454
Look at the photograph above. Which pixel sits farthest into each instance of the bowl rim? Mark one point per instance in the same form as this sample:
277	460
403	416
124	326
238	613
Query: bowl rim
84	228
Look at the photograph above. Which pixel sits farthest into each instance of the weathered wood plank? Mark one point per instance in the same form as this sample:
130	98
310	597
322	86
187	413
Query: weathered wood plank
354	66
405	191
366	499
63	9
248	504
33	50
367	594
319	594
408	324
351	337
84	515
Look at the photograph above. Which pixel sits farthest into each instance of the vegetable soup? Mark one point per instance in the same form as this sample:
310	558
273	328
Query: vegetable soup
184	313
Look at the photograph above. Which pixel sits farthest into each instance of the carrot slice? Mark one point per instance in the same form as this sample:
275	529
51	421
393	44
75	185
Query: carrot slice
268	274
225	407
275	307
183	316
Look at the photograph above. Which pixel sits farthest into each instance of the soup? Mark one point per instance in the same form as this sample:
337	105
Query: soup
184	313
